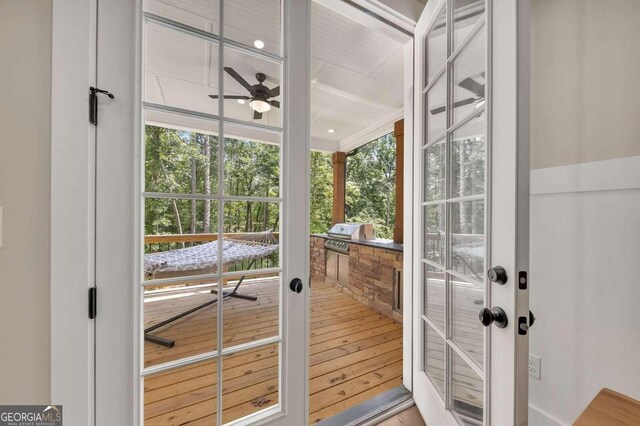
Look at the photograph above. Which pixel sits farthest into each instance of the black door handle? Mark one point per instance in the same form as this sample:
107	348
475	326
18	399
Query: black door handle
495	316
296	285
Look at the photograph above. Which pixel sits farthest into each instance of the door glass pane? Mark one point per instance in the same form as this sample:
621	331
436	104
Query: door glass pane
436	109
170	336
466	301
199	14
436	46
256	82
251	308
465	14
187	394
469	78
255	23
467	238
434	233
180	70
468	157
434	295
251	167
250	382
178	160
466	391
454	169
178	239
435	171
251	235
434	357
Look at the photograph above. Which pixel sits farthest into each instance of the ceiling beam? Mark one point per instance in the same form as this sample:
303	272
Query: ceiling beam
401	12
392	25
372	132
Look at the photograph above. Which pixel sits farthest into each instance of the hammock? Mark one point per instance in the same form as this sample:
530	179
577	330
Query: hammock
204	258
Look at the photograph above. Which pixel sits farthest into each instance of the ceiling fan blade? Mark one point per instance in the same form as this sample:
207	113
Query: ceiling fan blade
472	86
275	103
438	110
237	77
441	109
230	97
274	92
257	115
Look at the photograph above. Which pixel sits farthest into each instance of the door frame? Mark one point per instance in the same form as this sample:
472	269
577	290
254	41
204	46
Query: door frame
73	372
72	201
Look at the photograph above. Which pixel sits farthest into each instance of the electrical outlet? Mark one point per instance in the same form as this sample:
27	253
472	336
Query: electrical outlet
534	366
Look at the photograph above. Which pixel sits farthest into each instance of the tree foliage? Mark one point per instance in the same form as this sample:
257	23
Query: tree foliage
183	162
321	192
371	185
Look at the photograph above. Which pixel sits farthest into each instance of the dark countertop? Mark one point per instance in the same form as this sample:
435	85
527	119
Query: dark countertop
377	243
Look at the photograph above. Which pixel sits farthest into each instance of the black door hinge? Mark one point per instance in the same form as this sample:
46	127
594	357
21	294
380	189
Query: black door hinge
93	302
93	103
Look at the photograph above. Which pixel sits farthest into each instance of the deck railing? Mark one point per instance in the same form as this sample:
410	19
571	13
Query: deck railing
165	242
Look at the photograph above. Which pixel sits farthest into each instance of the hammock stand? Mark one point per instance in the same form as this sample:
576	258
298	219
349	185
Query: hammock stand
264	240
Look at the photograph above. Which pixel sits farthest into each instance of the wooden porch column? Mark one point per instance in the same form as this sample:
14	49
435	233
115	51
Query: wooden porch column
339	160
398	131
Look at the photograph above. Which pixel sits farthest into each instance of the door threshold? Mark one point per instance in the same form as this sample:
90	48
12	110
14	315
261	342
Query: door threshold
374	410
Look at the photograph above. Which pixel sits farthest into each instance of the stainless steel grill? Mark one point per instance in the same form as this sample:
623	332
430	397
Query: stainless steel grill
352	231
337	248
337	245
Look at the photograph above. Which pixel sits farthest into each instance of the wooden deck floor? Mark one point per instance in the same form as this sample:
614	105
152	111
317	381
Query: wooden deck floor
355	354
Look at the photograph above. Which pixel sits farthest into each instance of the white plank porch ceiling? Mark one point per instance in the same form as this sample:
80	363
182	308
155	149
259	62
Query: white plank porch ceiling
357	72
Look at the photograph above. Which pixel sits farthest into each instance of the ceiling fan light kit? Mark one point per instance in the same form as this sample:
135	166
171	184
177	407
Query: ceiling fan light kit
259	105
259	93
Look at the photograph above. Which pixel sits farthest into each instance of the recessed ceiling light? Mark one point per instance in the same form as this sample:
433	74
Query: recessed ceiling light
331	130
259	44
241	101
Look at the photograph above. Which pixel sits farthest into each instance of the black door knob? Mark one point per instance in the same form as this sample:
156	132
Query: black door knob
497	274
296	285
495	316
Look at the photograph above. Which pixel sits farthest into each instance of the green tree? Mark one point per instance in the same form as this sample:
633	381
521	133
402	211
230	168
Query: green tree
321	195
370	185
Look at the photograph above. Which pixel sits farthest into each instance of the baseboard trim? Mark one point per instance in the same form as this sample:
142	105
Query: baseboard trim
539	417
607	175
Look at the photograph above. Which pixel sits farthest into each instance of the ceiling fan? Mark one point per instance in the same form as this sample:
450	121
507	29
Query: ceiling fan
472	86
260	94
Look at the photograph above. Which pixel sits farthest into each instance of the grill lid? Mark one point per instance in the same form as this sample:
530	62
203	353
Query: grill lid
352	231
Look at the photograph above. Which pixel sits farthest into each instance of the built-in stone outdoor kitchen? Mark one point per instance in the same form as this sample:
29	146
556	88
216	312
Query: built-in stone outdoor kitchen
374	271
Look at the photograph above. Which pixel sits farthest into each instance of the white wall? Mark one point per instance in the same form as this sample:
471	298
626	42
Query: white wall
25	109
585	91
585	204
585	286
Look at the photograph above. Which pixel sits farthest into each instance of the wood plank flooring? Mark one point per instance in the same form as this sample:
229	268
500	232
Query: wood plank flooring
355	354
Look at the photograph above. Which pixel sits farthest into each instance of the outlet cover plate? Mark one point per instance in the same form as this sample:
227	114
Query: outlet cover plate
534	366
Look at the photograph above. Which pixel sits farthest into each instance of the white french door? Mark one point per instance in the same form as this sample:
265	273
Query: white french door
471	189
176	228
